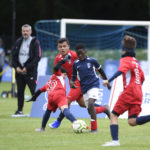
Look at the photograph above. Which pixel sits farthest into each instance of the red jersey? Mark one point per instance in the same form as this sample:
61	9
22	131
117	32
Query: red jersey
55	84
69	64
133	78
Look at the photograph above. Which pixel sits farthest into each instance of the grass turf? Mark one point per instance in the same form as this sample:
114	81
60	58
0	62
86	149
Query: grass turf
19	134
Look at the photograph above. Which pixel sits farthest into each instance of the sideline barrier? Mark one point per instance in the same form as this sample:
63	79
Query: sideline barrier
40	105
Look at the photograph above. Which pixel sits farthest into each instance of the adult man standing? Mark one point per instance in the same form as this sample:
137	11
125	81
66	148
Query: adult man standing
2	58
26	54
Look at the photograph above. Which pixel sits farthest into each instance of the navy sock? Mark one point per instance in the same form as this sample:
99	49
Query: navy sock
45	118
114	131
61	117
143	119
68	115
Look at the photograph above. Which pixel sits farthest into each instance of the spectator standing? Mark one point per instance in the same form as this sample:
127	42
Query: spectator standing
26	54
2	58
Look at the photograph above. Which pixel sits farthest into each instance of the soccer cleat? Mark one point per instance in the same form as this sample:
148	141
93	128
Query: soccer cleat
112	143
55	124
18	112
40	130
94	131
107	111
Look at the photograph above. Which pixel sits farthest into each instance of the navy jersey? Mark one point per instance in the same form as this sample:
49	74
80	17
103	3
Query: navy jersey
86	73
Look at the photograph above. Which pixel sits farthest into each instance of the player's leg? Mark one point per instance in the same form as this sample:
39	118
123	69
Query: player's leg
133	118
142	120
98	108
92	113
119	108
102	109
114	129
89	98
31	82
81	102
61	116
45	119
64	109
20	93
73	95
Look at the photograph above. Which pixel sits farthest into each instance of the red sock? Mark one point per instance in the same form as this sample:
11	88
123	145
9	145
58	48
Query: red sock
100	109
93	124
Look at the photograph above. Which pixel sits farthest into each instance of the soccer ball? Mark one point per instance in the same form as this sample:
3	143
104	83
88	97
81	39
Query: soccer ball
79	126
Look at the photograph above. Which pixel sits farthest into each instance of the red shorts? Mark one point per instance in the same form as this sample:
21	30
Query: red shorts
56	100
75	94
122	106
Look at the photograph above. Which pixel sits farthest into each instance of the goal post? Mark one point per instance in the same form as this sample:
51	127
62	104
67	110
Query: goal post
64	22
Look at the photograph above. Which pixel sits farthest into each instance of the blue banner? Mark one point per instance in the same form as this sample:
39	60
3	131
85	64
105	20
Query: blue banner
40	105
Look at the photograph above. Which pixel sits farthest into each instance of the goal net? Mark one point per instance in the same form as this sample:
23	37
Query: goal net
102	38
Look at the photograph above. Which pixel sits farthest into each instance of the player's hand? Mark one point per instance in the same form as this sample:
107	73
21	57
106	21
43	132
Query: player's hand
19	70
24	70
67	58
106	83
32	99
108	86
35	95
72	85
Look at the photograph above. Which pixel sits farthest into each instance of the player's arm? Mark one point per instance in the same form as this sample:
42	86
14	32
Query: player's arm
58	65
73	78
116	74
35	95
103	76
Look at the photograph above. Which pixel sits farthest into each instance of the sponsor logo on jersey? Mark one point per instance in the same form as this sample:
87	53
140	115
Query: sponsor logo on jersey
88	65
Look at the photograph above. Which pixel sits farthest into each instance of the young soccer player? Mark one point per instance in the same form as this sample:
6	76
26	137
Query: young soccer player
85	68
63	47
131	98
56	89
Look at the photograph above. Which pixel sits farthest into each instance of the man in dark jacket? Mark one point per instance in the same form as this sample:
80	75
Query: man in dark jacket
25	57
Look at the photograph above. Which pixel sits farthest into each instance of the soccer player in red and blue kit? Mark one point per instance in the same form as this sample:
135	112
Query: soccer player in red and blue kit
131	98
63	47
56	89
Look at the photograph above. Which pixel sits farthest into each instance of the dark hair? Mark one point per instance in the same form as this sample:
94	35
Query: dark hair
61	40
80	46
129	42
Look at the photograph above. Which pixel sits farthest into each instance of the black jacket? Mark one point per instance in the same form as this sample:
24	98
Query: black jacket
34	56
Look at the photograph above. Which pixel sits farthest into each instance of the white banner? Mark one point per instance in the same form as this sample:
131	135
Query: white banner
117	88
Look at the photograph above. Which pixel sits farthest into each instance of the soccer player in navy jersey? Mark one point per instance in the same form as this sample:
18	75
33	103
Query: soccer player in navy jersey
85	69
131	98
63	47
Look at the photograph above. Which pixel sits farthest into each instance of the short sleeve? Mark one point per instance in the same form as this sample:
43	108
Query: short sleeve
96	64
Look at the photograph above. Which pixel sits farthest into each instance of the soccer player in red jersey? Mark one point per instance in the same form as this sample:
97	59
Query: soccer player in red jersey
63	47
131	98
56	89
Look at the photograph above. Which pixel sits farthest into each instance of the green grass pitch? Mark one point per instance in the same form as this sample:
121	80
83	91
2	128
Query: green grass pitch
19	134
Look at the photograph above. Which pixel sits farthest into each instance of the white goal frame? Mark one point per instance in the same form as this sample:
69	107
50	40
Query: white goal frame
63	23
